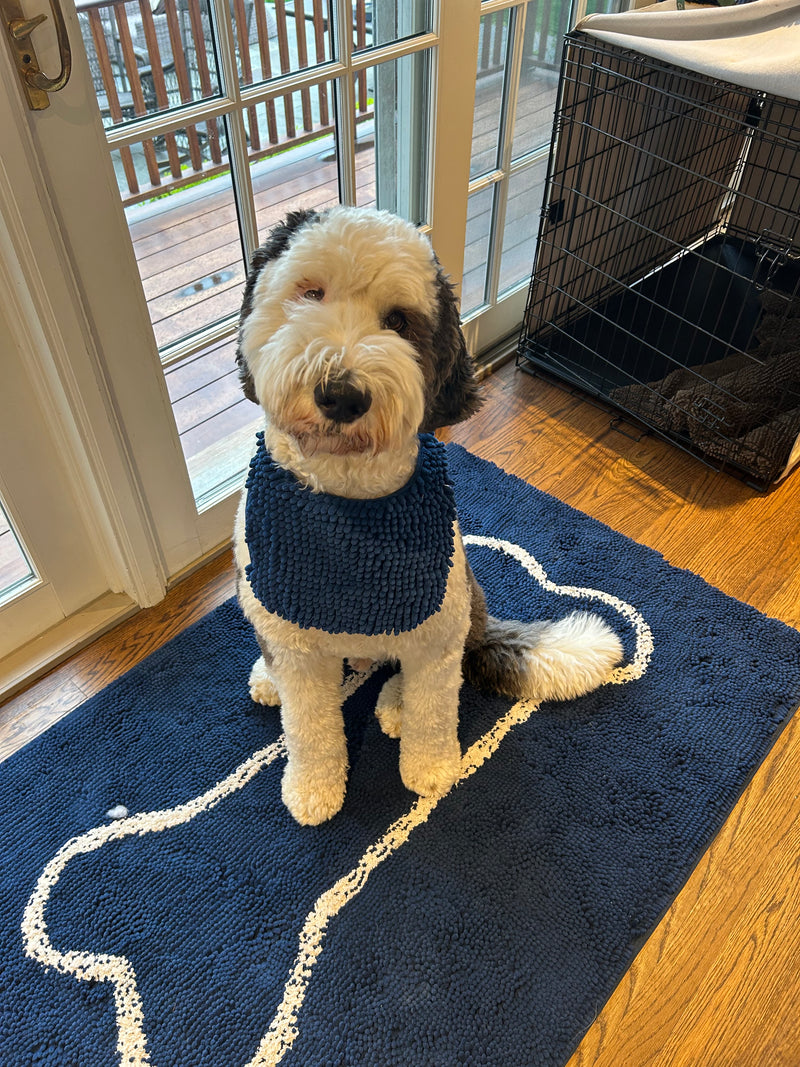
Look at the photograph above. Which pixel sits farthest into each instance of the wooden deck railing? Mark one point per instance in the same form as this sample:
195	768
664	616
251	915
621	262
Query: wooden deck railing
147	60
144	61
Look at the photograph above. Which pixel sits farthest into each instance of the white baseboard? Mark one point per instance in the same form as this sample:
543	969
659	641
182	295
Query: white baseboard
56	644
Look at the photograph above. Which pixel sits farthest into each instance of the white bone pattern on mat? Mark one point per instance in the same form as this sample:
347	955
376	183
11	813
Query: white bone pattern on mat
282	1032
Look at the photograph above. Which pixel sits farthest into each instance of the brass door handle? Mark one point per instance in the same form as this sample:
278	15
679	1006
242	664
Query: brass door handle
19	29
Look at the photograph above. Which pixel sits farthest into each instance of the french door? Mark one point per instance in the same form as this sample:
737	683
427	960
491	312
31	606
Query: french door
132	204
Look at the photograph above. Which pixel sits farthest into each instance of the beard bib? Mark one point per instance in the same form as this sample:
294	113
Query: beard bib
377	566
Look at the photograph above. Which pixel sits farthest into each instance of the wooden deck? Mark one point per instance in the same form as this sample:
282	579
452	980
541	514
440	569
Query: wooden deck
189	254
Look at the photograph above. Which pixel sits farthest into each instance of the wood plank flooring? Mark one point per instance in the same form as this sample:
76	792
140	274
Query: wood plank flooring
717	983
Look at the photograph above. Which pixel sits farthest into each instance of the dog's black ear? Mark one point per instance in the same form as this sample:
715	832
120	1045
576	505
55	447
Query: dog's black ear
454	394
277	242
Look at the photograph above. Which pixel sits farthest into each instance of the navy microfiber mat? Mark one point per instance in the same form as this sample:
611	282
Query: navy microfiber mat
207	929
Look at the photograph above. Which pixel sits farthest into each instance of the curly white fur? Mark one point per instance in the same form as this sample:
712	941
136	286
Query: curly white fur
357	296
363	265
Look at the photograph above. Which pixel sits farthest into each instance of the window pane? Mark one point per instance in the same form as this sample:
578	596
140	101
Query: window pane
215	421
272	39
379	22
297	172
392	108
16	572
545	26
295	132
157	167
492	46
476	251
186	240
605	7
146	58
525	189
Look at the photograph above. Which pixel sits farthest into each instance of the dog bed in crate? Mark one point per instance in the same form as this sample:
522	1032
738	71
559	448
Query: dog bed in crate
667	273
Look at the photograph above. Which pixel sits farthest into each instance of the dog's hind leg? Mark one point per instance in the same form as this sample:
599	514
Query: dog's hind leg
262	684
315	777
430	756
389	709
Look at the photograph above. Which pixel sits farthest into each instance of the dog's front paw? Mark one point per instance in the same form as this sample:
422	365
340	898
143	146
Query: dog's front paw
429	776
312	799
389	709
262	688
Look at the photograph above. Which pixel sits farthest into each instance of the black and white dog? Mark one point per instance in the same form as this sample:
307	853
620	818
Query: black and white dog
346	542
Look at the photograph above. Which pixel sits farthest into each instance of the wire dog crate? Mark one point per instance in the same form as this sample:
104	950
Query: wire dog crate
667	273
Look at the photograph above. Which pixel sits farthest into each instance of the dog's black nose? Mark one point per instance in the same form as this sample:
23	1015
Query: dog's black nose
340	401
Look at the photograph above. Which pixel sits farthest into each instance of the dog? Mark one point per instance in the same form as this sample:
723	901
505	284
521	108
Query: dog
346	541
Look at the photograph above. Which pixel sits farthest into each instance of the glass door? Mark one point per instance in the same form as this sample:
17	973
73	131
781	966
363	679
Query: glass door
222	115
519	58
187	129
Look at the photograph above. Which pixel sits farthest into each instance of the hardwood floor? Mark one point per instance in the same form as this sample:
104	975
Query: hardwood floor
716	985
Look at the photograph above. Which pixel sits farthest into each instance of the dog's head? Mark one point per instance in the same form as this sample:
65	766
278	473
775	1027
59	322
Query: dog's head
349	335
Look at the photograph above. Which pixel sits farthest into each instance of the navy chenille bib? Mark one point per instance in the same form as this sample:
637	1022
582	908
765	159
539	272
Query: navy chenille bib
350	566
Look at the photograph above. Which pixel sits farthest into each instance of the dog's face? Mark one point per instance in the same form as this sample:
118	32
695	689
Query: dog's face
349	337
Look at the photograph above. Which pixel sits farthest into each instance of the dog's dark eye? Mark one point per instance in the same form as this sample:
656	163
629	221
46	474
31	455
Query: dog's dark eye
314	294
396	321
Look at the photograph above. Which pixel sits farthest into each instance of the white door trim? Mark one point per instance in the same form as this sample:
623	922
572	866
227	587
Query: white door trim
53	331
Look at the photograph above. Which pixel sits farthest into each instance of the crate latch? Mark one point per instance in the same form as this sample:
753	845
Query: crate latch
772	252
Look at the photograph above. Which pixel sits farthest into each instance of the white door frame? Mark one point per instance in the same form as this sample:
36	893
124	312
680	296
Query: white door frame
52	341
120	363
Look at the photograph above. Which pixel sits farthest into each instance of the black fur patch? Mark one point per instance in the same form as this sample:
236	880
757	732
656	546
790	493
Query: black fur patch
454	391
497	662
275	245
478	615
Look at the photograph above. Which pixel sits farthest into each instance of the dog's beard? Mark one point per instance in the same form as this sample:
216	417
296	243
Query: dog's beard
384	366
389	424
314	436
370	458
334	443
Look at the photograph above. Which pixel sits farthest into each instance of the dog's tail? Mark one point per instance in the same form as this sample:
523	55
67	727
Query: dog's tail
538	660
543	660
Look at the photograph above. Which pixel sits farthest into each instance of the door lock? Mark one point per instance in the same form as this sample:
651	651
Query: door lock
19	29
